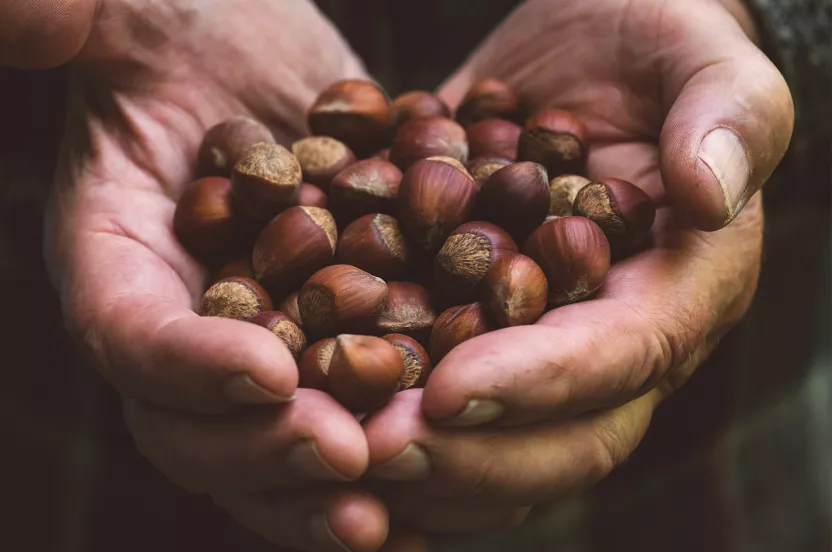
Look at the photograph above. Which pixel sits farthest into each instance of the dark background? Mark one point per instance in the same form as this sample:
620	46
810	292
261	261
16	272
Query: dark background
737	461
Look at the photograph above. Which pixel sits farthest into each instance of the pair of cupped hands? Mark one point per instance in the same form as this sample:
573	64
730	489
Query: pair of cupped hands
677	98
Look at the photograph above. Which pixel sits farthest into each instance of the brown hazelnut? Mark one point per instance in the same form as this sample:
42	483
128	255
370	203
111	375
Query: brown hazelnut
556	139
204	221
283	327
365	372
321	158
356	112
516	198
313	370
264	181
409	310
434	198
224	143
289	307
417	104
417	365
369	186
488	99
311	196
493	137
293	246
467	255
624	212
562	192
516	291
480	168
430	137
341	298
450	161
456	325
574	256
239	267
238	298
375	243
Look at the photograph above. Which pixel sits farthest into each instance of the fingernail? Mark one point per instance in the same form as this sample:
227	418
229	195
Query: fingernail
322	533
477	412
242	389
725	154
305	459
411	464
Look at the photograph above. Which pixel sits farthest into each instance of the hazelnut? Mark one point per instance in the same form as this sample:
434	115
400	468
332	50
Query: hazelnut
516	198
321	158
311	196
417	104
456	325
264	181
293	246
574	256
284	328
624	212
434	198
483	167
356	112
238	298
365	372
224	143
204	221
289	307
493	137
422	138
417	365
239	267
375	243
516	291
408	310
450	161
556	139
313	370
562	192
466	257
341	298
488	99
369	186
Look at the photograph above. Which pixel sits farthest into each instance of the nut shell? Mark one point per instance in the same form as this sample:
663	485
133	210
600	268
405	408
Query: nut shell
575	256
365	372
366	187
417	104
283	327
417	364
408	310
321	158
516	198
496	137
562	192
237	298
265	181
341	299
225	143
481	168
311	196
434	199
516	291
354	111
555	139
376	244
293	246
623	211
429	137
239	267
289	307
205	222
313	370
457	325
488	99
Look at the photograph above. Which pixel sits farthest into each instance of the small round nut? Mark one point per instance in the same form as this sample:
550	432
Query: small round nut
366	187
321	158
289	307
562	192
237	298
283	327
417	104
375	243
516	198
311	196
457	325
557	140
488	99
408	310
417	365
496	137
481	168
264	181
225	142
239	267
429	137
365	372
313	370
204	221
516	291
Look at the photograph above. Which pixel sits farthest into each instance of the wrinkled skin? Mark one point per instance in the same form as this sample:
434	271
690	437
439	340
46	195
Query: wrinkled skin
571	396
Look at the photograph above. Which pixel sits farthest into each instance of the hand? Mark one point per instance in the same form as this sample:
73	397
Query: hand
148	80
678	100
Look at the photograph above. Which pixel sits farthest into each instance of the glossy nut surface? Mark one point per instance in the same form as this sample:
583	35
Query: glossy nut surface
365	372
204	220
409	310
417	364
516	291
284	328
516	198
457	325
224	144
489	98
417	104
376	244
429	137
313	370
496	137
264	181
366	187
555	139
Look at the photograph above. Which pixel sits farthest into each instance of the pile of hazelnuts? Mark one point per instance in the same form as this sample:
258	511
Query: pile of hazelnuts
396	232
